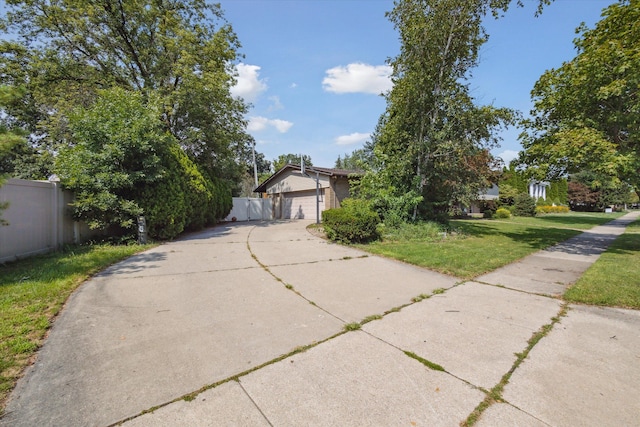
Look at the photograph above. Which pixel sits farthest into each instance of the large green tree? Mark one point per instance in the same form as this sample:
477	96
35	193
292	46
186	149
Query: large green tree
182	51
358	160
586	112
10	136
294	159
433	141
591	191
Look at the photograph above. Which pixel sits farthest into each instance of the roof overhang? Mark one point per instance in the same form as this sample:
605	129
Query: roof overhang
310	171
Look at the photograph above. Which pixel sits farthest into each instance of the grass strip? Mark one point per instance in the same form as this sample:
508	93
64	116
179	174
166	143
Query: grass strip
477	247
495	394
613	279
32	292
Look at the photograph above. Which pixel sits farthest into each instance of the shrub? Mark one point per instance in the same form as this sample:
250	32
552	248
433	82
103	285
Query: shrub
355	221
524	205
122	164
165	204
552	209
114	151
502	213
395	210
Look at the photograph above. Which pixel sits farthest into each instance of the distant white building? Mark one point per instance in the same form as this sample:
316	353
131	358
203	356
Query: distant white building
538	189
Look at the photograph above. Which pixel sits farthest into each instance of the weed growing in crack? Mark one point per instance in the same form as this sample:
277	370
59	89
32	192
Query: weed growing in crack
425	362
352	326
370	318
420	297
495	394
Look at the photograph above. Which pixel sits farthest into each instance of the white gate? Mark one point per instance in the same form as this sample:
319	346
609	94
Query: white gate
250	209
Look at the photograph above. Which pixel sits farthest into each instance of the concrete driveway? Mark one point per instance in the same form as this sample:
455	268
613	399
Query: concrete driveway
244	324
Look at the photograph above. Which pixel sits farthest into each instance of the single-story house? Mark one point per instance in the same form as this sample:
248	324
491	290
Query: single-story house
293	193
490	194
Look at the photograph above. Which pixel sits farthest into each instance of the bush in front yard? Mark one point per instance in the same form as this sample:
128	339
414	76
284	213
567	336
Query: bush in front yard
502	213
354	222
552	209
524	205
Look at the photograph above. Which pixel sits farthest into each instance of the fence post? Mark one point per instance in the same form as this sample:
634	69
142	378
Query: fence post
55	212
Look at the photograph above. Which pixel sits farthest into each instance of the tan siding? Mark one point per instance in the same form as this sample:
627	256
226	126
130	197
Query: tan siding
292	181
341	189
331	200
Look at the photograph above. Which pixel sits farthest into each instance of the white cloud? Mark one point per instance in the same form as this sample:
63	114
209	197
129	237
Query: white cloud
248	85
258	123
354	138
276	104
508	155
281	125
293	85
358	77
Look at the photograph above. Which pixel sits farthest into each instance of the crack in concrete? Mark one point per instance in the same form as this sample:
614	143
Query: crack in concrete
495	394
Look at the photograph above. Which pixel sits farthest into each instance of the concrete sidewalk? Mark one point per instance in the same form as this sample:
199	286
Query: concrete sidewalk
222	316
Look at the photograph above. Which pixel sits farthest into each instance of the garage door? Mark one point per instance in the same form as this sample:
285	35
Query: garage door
301	205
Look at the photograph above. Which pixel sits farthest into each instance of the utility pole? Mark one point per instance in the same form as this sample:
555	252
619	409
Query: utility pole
255	165
303	171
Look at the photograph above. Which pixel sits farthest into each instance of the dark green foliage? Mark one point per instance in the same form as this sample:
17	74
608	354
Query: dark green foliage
585	113
524	205
117	151
356	161
164	203
223	202
514	178
354	222
294	159
434	139
123	164
591	191
557	192
184	198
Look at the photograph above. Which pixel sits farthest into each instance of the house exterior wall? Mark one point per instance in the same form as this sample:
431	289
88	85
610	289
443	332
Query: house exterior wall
293	195
337	192
342	189
293	181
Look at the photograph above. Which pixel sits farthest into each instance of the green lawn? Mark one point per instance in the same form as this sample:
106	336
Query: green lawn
481	246
613	280
33	290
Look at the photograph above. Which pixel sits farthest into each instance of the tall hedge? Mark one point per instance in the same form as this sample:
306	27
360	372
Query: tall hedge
184	199
122	163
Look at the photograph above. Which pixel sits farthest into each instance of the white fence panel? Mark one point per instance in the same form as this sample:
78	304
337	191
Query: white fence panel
38	219
250	209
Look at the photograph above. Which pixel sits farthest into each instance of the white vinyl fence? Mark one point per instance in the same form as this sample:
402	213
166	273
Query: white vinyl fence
250	209
38	219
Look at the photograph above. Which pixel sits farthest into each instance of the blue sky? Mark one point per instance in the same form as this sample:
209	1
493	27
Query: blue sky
313	68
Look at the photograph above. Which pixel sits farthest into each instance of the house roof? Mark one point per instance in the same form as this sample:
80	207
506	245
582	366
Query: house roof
492	193
262	188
